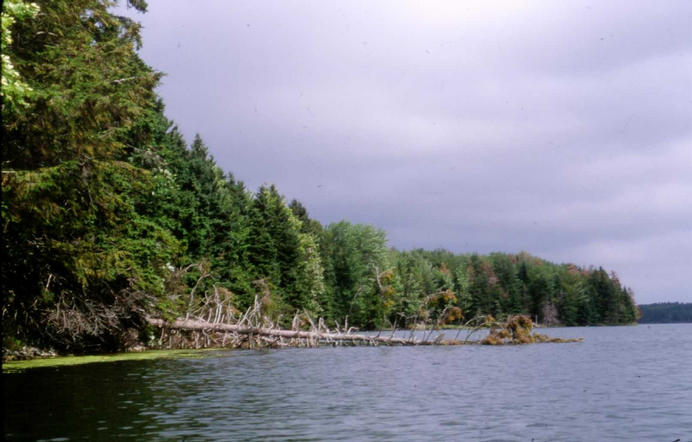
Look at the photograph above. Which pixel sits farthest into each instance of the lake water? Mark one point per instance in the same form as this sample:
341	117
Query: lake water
621	383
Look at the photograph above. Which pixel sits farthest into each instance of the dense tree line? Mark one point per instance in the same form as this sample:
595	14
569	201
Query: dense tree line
665	312
108	216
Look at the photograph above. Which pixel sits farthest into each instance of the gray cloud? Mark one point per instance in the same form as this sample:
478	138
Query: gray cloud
559	128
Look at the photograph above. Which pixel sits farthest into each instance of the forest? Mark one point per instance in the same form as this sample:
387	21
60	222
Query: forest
665	312
109	217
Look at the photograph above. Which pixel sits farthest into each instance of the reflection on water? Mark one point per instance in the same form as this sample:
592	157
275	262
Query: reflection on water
621	383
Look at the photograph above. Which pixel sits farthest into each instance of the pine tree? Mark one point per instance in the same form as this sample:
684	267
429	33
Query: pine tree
74	242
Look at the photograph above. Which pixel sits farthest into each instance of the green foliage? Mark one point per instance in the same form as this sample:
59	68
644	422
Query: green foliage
82	261
503	284
308	225
109	217
281	253
353	256
13	90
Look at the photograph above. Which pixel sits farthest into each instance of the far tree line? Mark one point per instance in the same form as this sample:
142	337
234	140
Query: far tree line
665	312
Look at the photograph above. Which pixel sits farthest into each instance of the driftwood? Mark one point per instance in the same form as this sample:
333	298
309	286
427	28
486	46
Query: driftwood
217	324
310	338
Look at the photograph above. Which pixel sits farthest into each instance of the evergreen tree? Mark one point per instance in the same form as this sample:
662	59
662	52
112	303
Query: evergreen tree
74	241
109	217
283	255
353	256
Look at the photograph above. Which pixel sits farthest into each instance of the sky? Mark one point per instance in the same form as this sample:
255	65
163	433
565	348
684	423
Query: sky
558	128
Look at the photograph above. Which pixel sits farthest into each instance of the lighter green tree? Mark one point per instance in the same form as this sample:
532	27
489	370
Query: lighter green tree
14	90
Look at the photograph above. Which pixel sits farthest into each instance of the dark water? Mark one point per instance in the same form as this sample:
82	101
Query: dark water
621	383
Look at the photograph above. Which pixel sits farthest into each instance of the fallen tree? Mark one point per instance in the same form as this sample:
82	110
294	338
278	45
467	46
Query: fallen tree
256	330
280	336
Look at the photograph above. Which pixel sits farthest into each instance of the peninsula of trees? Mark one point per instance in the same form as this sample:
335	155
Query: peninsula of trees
109	218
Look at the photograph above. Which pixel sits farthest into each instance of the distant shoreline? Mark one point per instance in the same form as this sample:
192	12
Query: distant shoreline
666	313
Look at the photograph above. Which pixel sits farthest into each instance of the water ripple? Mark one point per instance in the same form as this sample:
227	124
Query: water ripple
621	383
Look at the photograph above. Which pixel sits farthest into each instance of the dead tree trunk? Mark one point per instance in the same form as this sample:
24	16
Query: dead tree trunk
312	338
215	323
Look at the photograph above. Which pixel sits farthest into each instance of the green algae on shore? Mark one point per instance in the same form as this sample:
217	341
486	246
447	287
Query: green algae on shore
18	366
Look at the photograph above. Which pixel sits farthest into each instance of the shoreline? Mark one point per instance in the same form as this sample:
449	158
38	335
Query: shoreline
20	365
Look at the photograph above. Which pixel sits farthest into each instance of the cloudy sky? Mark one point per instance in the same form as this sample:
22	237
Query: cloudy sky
558	128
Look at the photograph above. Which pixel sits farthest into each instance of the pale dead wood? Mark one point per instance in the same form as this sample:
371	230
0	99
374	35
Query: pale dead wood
215	323
310	336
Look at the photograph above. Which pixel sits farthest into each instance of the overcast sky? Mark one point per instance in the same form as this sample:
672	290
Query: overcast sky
562	128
